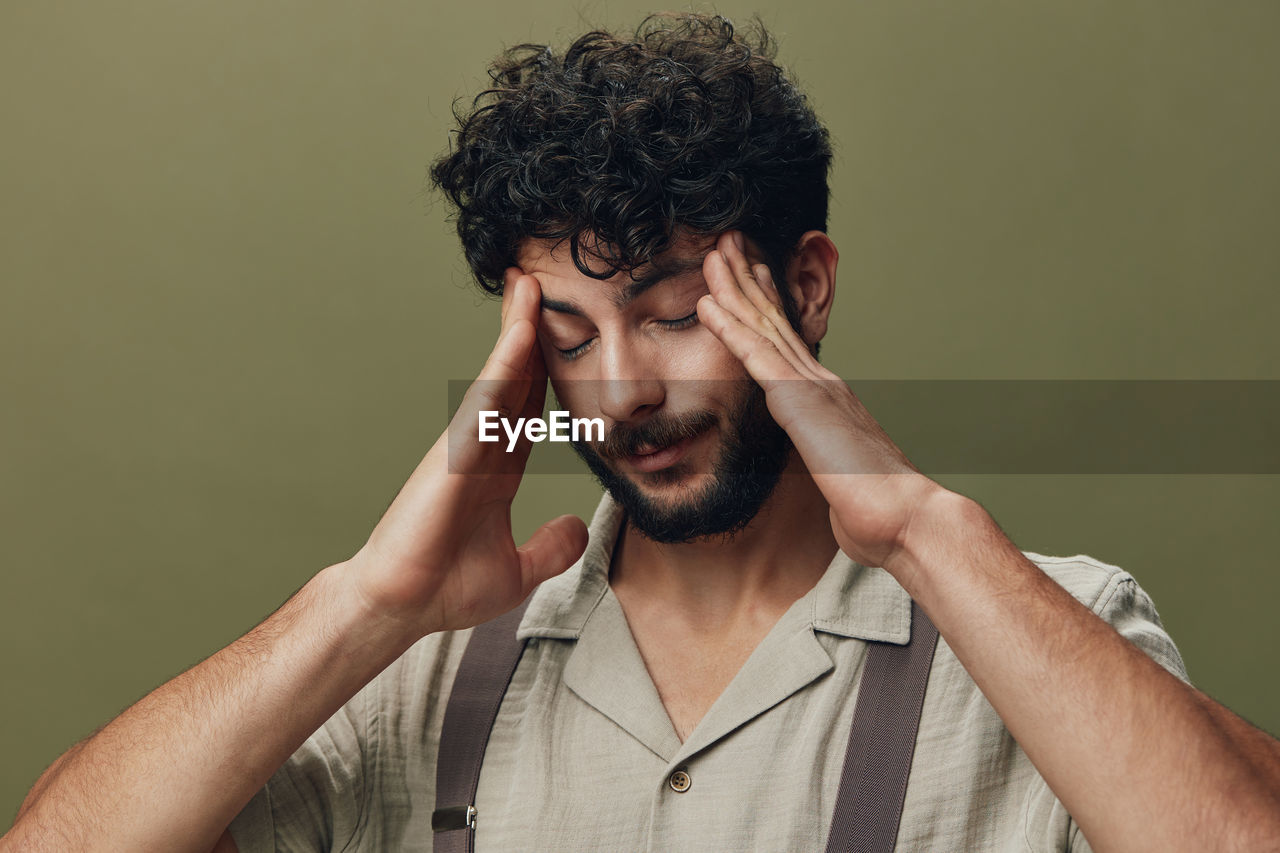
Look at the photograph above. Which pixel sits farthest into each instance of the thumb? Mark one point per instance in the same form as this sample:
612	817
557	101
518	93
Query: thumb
553	547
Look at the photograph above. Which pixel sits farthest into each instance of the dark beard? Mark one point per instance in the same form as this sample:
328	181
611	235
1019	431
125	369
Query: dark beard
754	453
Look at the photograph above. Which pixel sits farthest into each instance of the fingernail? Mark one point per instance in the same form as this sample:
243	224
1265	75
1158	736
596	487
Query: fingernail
739	241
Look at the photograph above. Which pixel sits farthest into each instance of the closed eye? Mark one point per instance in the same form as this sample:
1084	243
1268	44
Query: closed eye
681	323
674	325
573	352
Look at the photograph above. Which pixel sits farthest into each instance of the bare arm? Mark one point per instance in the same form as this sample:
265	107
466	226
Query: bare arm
1141	760
225	844
1113	733
172	771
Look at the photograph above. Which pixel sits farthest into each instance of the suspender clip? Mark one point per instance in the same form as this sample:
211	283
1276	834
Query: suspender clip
453	817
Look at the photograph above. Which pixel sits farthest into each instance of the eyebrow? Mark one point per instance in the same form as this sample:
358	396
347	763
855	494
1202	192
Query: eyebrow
631	291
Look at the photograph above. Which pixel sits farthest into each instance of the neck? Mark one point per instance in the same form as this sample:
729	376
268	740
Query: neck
756	575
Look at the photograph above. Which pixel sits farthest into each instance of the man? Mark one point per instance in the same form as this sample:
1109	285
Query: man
653	213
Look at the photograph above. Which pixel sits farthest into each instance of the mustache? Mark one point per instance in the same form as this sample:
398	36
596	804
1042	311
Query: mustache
659	431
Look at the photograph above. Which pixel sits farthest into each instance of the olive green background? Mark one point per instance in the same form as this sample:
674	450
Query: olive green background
229	311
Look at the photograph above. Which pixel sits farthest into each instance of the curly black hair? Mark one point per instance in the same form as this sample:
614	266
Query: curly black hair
690	127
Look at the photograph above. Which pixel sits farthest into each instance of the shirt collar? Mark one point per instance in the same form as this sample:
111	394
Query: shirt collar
850	600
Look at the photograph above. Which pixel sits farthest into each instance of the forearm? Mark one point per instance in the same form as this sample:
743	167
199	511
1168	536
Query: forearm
172	771
1140	759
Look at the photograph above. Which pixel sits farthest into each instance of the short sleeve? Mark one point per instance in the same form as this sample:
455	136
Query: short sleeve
1126	607
316	799
365	780
1115	596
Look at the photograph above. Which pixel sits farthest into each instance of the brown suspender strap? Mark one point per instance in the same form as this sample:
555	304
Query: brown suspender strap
877	761
483	675
882	741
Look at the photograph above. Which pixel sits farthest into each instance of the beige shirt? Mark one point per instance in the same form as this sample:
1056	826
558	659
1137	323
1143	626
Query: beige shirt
582	752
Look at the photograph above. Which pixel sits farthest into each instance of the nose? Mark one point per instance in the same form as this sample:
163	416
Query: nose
630	386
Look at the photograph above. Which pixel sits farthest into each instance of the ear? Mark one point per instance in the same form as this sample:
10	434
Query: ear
811	278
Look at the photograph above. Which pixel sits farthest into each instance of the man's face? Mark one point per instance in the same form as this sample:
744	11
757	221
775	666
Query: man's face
690	448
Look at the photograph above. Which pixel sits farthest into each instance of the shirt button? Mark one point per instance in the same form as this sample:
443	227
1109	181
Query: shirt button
679	781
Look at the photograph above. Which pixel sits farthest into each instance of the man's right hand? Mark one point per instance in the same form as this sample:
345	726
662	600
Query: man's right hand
173	770
443	556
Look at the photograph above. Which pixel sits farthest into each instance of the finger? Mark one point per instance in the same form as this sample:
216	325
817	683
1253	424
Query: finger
529	305
726	288
553	547
509	277
762	295
760	291
537	370
509	383
534	403
511	292
501	387
503	384
758	353
786	331
505	379
724	285
520	302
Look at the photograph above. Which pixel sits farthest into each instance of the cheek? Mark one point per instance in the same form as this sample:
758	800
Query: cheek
570	394
702	355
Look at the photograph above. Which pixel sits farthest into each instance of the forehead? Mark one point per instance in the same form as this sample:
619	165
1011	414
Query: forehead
552	264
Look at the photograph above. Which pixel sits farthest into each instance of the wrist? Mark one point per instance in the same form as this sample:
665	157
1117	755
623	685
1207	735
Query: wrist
934	537
354	619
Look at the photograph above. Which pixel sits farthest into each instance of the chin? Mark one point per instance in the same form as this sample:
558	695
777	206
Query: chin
714	490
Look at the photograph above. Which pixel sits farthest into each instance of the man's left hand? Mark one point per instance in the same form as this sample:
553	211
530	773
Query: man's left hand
871	486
